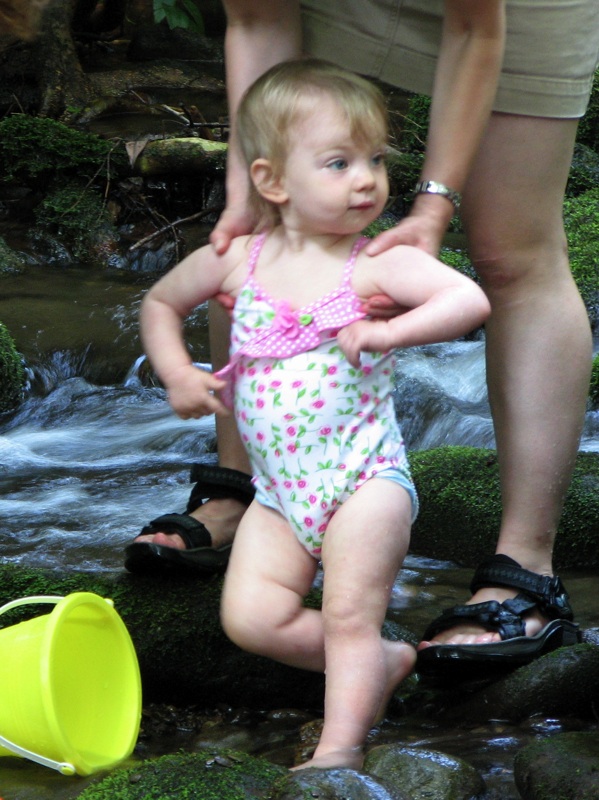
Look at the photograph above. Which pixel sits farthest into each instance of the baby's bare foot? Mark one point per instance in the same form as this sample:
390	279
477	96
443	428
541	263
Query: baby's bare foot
350	758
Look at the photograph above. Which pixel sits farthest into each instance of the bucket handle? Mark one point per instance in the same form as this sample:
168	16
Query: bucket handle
64	767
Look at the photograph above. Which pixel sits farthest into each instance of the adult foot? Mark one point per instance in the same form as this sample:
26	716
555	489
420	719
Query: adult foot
220	516
514	616
198	541
497	580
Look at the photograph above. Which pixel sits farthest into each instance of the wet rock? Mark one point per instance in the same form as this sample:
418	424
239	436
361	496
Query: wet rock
561	767
334	784
424	774
561	683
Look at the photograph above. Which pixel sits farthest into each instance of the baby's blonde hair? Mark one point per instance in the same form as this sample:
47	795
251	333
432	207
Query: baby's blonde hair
272	105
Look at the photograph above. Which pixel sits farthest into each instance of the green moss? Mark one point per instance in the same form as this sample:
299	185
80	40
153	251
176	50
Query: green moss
209	774
75	214
12	374
460	507
34	147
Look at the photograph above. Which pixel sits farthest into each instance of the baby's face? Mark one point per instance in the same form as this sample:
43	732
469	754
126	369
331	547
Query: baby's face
334	183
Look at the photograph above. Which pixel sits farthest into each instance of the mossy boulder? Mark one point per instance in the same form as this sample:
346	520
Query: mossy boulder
12	373
460	508
11	262
184	656
209	774
35	150
560	767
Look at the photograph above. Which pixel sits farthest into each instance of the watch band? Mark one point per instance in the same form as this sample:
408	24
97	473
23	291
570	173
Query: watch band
433	187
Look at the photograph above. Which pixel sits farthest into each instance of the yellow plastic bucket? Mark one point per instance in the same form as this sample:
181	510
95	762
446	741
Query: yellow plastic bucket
70	688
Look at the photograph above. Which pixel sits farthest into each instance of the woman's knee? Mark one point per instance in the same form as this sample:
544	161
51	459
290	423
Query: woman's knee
527	259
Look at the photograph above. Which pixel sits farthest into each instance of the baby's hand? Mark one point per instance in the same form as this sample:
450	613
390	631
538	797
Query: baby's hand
370	336
191	393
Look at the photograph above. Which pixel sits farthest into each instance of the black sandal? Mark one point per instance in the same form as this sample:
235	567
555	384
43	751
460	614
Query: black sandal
450	662
199	556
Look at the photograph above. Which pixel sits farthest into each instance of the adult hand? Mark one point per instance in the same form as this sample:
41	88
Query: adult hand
236	220
420	229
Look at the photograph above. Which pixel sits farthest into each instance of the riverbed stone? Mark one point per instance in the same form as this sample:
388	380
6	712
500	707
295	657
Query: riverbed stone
424	774
335	784
561	767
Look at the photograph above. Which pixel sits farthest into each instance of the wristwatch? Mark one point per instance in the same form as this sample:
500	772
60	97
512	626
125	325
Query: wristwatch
433	187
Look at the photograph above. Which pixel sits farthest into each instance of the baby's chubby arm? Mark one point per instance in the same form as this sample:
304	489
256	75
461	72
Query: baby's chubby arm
163	310
440	303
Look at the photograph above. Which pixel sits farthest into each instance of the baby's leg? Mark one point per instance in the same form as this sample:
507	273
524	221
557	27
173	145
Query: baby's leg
268	576
364	547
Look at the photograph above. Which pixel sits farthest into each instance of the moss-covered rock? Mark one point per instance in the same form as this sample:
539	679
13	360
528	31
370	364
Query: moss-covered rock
76	215
11	263
34	149
560	767
12	374
460	508
209	774
184	656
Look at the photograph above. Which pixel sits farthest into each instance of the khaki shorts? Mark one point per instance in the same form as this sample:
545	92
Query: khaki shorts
551	53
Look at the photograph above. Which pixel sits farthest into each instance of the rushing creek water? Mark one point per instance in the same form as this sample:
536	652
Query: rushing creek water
94	452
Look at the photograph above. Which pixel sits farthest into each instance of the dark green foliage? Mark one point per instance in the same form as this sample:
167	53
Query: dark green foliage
12	375
582	227
588	128
179	14
584	172
415	128
35	147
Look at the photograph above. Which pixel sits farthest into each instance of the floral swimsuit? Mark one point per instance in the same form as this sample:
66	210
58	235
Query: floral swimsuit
315	428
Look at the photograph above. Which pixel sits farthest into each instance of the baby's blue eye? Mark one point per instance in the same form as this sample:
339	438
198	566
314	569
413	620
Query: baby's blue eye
378	159
338	164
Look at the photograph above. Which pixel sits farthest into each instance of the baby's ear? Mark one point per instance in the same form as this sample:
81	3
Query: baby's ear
268	183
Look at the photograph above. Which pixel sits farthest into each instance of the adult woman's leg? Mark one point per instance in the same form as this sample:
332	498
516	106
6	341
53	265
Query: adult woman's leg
538	339
220	514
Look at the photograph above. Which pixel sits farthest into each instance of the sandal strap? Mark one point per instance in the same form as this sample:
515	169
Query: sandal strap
193	532
506	619
216	483
548	593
